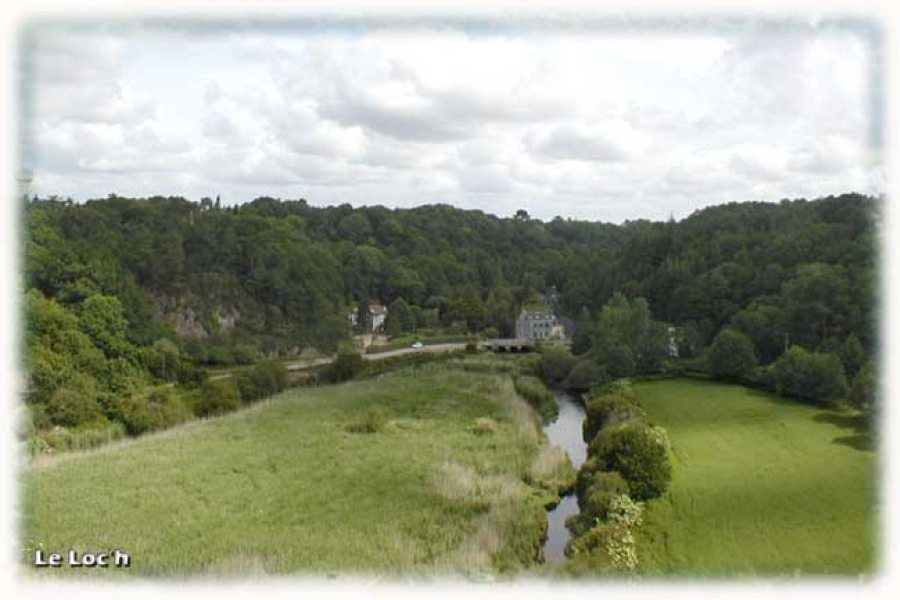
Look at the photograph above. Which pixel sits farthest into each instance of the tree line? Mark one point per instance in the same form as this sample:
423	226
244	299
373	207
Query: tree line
125	293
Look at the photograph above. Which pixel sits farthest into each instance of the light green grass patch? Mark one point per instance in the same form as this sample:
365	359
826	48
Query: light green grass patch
761	485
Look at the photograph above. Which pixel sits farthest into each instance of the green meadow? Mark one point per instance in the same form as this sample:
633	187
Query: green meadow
424	471
761	485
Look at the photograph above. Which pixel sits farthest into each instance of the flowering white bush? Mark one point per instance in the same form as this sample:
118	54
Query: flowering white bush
624	510
622	551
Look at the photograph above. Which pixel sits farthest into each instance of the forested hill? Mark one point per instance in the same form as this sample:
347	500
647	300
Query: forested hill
275	276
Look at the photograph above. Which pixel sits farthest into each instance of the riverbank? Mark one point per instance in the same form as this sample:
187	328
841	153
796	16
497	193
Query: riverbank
428	472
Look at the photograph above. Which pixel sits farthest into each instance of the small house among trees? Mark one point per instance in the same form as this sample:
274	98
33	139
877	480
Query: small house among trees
538	325
375	316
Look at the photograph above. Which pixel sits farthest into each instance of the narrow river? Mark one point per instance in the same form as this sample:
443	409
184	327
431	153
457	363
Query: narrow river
564	432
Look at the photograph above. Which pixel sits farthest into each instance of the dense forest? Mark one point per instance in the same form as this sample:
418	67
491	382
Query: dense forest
124	293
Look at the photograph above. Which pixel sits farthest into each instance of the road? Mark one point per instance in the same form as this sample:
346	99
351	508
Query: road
432	348
302	365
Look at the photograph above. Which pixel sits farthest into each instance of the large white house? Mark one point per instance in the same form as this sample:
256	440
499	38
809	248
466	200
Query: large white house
538	325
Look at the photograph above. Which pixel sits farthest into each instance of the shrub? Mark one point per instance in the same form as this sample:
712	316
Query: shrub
197	349
607	411
731	356
556	363
617	358
271	377
864	389
624	510
347	365
484	426
596	491
261	381
619	387
537	394
371	422
217	396
585	374
530	364
83	437
810	375
158	409
244	354
608	548
586	473
219	354
74	403
639	453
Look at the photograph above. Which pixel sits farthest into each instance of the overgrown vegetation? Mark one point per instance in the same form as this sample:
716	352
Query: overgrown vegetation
243	494
536	393
628	460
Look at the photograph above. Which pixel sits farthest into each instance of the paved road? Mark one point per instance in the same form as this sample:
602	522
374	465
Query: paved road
432	348
301	365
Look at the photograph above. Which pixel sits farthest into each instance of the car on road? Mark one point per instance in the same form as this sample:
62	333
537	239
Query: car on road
418	345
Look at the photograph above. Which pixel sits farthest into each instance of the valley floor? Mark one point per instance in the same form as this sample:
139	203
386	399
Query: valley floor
287	487
761	485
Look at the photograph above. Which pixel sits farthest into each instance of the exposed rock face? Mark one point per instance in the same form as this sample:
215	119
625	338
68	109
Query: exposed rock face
190	321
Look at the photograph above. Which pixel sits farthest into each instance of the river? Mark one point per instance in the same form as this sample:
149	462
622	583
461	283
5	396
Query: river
565	432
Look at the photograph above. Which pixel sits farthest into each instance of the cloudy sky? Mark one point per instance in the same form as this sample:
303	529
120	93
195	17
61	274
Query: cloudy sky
599	124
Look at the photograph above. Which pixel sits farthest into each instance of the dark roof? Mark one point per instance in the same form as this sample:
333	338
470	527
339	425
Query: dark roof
569	325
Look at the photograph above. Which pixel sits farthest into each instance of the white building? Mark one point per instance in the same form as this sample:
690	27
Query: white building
538	325
375	317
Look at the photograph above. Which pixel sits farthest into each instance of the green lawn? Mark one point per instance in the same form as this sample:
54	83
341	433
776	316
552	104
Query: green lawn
284	487
761	485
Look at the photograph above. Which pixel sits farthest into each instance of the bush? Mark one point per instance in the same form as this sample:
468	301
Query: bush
584	375
537	395
608	548
75	403
159	409
619	387
261	381
530	364
83	437
810	375
731	356
244	354
639	453
347	365
371	422
596	490
607	411
219	354
196	348
217	396
556	363
864	389
617	358
484	426
189	373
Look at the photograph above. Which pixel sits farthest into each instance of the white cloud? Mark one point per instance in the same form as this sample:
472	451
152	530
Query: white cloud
592	126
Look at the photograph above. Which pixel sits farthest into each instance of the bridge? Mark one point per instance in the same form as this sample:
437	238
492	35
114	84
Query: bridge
509	345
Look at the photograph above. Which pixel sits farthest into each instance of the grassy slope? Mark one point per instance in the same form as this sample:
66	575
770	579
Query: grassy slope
761	485
283	487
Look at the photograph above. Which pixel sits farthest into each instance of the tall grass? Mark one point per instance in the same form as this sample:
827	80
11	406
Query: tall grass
282	486
537	394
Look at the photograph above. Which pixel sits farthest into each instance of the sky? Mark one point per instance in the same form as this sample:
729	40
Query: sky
580	122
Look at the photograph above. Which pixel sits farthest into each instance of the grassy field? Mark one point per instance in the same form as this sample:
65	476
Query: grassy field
287	487
761	485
